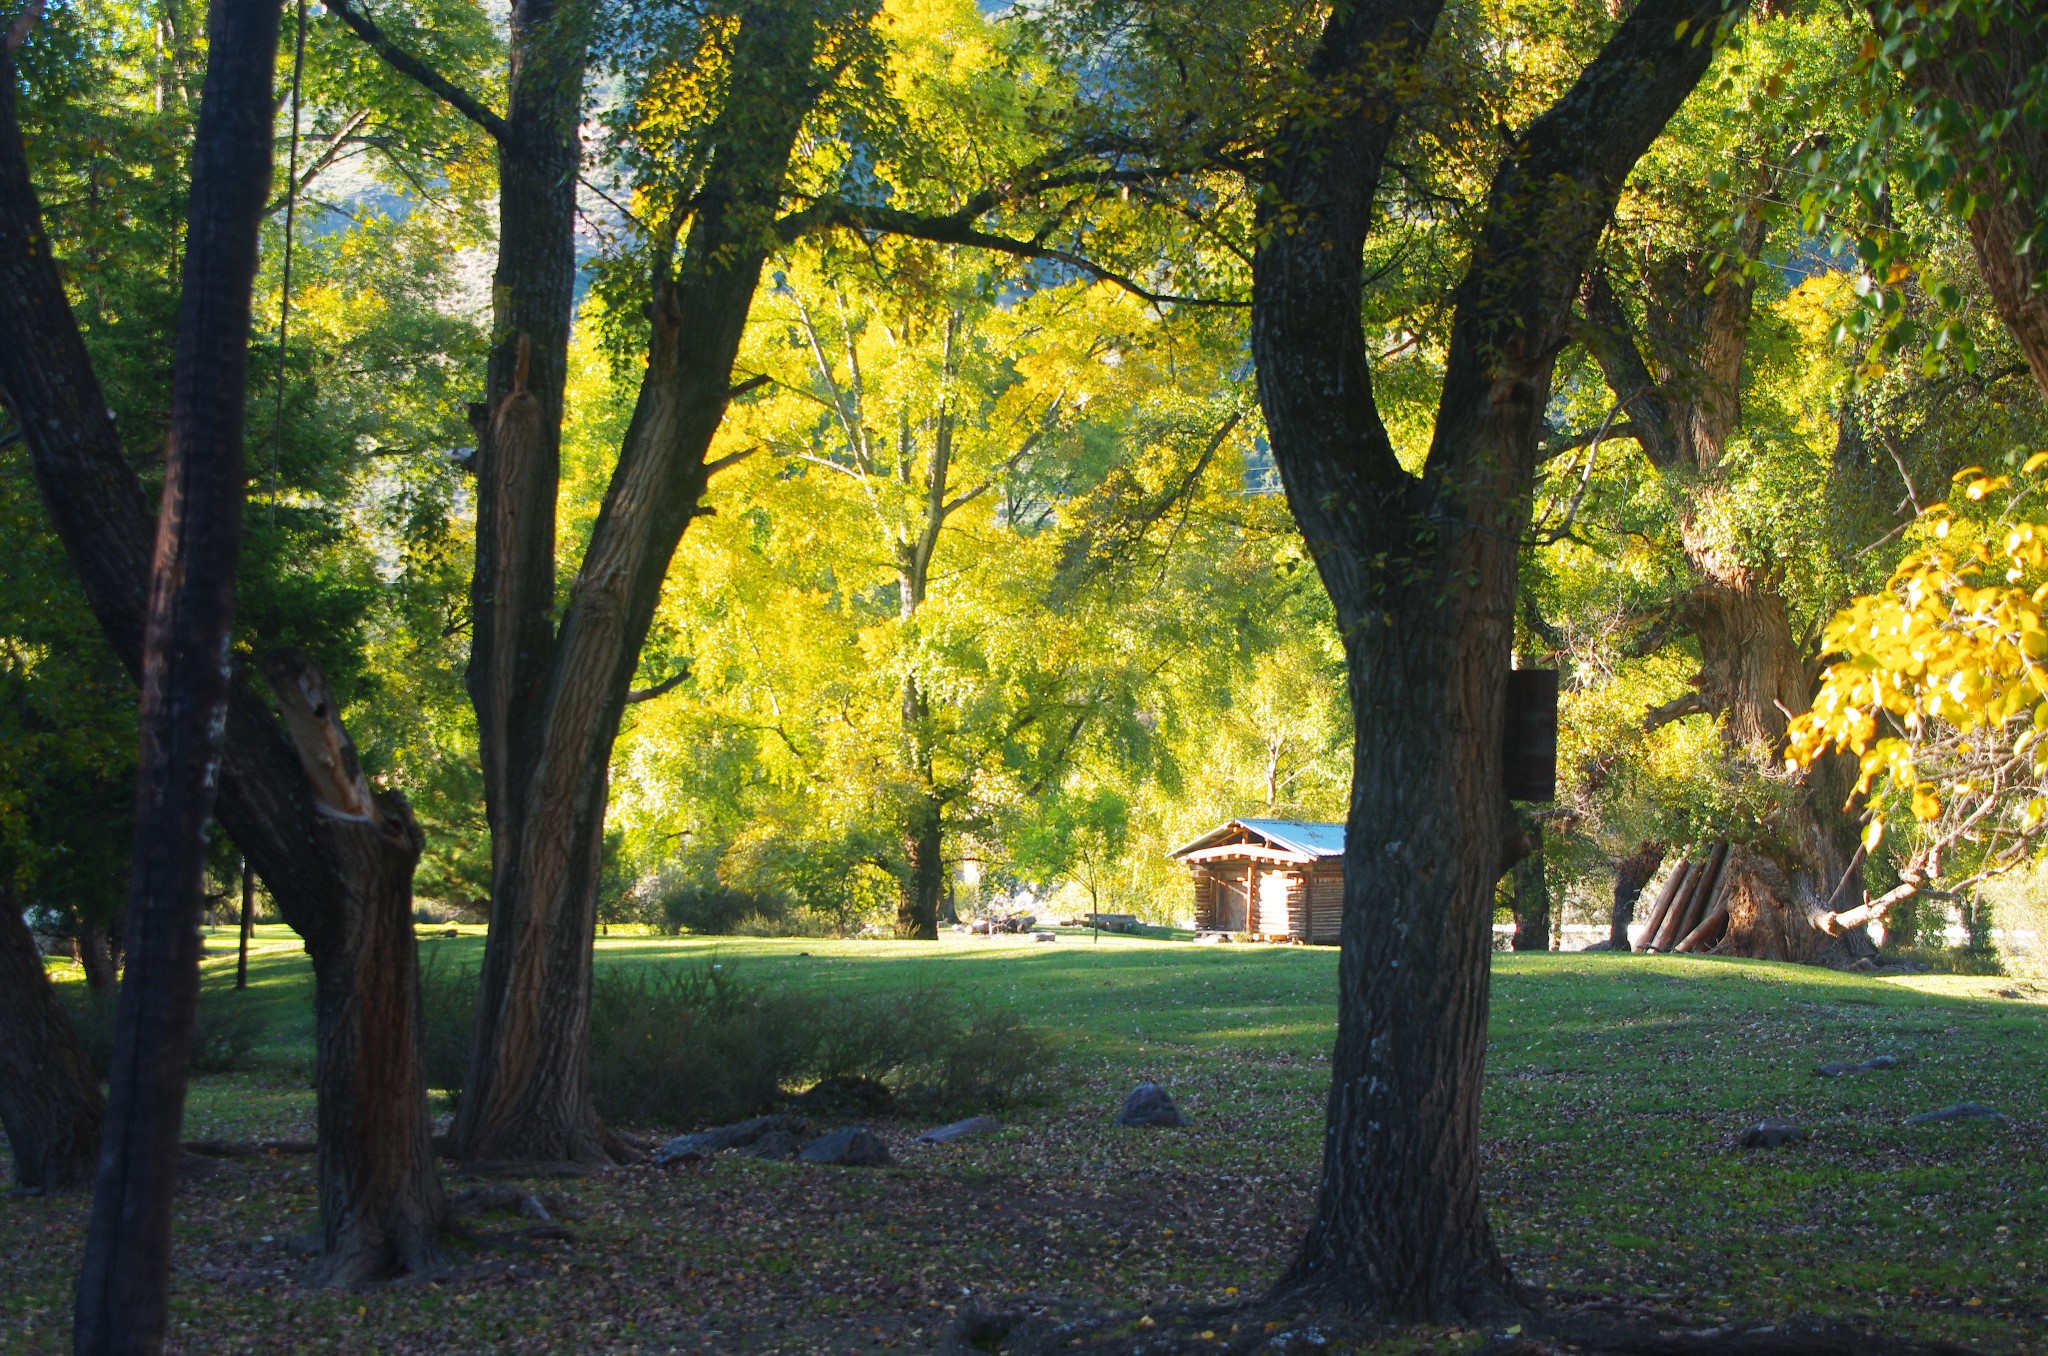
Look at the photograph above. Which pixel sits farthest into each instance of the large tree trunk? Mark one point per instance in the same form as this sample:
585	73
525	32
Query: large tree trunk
267	802
1422	572
381	1205
527	1091
1752	673
1631	874
49	1099
124	1277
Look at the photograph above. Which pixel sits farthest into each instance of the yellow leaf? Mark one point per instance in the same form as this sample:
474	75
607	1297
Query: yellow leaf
1873	835
2035	463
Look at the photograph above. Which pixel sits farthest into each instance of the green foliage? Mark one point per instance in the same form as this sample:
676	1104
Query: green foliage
229	1035
687	1046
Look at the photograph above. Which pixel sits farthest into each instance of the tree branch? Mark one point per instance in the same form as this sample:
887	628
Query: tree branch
957	228
668	684
418	71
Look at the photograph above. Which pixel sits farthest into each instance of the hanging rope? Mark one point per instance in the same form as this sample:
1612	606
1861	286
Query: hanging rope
291	213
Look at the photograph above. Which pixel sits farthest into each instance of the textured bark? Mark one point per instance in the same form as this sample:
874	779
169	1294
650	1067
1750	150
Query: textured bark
381	1207
49	1099
124	1277
1632	874
267	802
1773	917
1422	572
549	713
1983	73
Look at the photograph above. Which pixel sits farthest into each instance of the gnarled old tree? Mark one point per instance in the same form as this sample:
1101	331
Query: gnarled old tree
344	883
1677	373
1422	570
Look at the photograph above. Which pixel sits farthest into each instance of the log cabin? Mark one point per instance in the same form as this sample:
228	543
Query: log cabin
1279	879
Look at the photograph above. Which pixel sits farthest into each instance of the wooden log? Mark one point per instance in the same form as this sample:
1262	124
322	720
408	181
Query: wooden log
1686	914
1674	885
1692	899
1715	919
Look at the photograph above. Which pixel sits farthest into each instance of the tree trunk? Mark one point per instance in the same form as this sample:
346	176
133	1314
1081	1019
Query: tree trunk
1752	672
1632	875
924	871
267	800
49	1099
1422	572
124	1277
248	921
1532	896
1986	73
549	728
381	1205
96	957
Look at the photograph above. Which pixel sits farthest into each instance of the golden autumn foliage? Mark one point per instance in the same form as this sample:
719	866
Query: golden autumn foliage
1941	690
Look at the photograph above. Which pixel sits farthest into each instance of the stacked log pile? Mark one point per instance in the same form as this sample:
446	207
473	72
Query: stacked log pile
1738	902
1691	911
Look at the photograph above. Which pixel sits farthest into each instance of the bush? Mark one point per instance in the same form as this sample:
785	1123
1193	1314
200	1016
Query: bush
697	906
229	1031
700	1046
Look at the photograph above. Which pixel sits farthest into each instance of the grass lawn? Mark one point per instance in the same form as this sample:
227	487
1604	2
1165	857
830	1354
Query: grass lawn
1615	1087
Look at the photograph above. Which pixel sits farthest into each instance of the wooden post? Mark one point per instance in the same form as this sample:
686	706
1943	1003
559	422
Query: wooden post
1674	886
248	922
1692	901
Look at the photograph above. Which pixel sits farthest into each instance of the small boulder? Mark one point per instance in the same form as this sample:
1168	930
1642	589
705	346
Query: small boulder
1961	1111
777	1146
973	1125
695	1148
1836	1070
1772	1133
1045	936
1150	1105
851	1146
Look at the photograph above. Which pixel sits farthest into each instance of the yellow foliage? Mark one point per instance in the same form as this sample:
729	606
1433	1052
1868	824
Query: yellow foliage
1957	639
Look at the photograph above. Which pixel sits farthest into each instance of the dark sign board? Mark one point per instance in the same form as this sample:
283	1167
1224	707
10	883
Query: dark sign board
1529	735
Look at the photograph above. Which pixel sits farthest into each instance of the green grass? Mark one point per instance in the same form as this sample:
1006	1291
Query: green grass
1615	1087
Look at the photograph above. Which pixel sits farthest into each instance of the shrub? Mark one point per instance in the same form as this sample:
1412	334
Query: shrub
700	1046
229	1031
712	907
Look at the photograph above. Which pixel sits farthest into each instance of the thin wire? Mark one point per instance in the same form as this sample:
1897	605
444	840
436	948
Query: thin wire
284	304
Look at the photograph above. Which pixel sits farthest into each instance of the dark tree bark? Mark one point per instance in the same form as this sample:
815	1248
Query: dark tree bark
248	921
381	1204
549	702
1632	874
1532	896
49	1099
124	1278
1422	572
96	956
268	803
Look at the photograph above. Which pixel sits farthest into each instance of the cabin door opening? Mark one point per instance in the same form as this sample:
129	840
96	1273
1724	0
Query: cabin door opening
1233	903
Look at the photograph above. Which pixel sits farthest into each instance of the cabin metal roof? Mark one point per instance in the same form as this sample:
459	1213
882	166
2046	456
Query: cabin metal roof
1293	835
